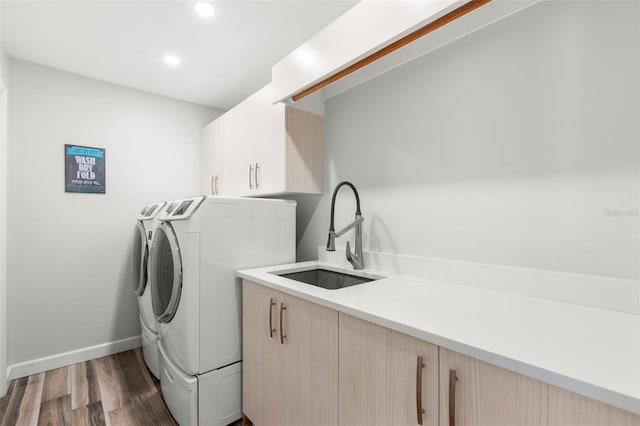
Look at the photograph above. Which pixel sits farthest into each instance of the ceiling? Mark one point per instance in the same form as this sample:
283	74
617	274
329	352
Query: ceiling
224	58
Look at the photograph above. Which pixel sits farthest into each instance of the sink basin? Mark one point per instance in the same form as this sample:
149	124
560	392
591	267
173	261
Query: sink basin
325	278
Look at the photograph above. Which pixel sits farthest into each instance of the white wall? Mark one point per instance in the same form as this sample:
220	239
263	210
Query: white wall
68	254
4	90
517	145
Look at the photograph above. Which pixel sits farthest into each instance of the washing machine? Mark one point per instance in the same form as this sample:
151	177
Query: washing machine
197	299
146	225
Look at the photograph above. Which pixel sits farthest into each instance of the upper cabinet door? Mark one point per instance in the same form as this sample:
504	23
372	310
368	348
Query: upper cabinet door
259	148
207	158
220	157
262	137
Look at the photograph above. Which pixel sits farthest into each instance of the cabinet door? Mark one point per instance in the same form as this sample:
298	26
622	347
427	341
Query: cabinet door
268	148
207	158
229	153
570	409
380	376
261	380
262	137
258	148
488	395
309	363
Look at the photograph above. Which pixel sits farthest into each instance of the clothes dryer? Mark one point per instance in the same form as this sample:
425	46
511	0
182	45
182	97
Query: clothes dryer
146	226
197	299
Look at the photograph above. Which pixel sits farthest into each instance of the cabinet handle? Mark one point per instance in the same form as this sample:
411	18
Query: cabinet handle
452	397
250	170
271	329
213	192
216	184
420	410
256	175
282	335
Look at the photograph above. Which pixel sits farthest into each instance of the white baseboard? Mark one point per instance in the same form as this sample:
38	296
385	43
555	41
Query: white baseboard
39	365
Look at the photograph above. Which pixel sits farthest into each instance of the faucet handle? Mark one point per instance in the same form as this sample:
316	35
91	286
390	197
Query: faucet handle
355	259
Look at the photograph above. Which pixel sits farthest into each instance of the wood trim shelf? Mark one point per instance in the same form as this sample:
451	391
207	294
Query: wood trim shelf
421	32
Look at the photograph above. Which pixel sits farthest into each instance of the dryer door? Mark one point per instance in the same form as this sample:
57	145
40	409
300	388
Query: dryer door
140	253
165	273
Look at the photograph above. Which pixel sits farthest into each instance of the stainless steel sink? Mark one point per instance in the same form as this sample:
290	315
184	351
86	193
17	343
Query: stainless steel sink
325	278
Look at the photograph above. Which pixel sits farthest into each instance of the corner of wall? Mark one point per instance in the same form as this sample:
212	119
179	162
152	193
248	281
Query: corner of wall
4	89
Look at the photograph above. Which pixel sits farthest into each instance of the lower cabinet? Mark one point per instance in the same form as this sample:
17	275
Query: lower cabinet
290	359
386	377
570	409
473	392
304	364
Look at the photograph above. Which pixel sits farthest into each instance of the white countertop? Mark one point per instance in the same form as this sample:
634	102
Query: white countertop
591	351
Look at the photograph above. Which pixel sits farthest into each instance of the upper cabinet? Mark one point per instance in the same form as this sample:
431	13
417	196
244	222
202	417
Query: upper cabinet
208	170
219	175
258	148
375	36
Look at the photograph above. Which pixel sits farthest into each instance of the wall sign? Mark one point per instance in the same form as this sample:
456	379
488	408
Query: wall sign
84	169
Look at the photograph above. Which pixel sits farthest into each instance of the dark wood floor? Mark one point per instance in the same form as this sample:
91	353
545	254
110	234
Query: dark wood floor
117	390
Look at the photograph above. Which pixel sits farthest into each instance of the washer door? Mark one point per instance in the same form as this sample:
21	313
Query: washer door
140	256
165	273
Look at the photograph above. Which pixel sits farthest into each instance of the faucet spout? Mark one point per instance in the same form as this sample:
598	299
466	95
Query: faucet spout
331	242
354	258
358	221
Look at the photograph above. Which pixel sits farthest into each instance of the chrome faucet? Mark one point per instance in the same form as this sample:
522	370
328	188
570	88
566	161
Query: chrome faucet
354	258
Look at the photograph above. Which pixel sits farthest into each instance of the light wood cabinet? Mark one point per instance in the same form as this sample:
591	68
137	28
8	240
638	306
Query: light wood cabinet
258	148
290	368
305	364
570	409
386	377
261	377
484	394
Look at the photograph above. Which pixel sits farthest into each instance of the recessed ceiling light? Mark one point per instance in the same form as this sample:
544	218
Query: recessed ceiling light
171	60
204	9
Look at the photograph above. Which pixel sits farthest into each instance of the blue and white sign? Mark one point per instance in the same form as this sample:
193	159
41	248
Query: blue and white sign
84	169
